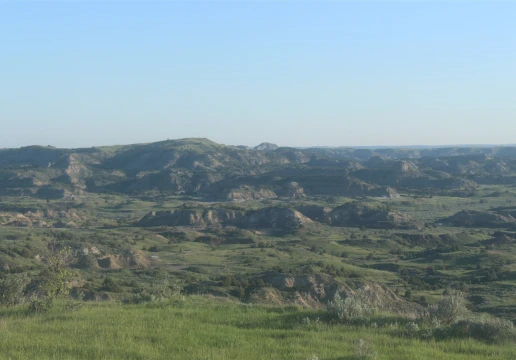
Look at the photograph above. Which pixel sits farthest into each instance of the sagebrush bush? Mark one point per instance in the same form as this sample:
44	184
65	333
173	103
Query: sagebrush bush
412	328
356	306
450	308
488	329
364	350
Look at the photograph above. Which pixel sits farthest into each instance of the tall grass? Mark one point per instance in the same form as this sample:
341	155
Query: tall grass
197	328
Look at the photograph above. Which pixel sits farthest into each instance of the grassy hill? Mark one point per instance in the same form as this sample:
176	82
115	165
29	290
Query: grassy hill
199	328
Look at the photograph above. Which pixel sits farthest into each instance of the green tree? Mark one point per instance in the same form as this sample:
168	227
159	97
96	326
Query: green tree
55	280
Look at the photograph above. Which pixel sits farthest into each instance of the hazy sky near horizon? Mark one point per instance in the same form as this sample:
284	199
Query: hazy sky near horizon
340	73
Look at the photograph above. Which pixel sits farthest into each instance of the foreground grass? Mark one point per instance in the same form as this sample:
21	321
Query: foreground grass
201	329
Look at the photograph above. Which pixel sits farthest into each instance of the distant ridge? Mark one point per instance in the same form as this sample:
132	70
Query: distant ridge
373	147
266	146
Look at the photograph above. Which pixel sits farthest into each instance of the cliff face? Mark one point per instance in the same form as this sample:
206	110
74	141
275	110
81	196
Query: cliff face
334	185
190	217
314	212
277	218
481	219
245	192
354	214
46	218
314	291
274	218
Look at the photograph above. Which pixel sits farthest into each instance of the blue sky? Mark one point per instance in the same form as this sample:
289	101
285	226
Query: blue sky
78	74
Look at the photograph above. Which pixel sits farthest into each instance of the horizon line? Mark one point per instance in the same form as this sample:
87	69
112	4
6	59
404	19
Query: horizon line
416	146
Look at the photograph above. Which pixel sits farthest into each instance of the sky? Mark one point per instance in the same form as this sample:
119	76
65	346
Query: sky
295	73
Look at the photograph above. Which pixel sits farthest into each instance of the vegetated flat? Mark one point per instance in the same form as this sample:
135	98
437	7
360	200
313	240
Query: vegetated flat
273	225
204	328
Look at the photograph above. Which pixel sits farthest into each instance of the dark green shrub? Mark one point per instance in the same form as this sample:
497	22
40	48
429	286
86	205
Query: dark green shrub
156	292
488	329
110	285
12	289
87	262
41	304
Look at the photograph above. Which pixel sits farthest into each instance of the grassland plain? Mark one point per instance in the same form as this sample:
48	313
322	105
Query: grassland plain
207	328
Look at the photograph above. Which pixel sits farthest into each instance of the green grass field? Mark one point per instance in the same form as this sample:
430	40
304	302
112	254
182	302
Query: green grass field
210	328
